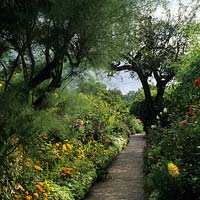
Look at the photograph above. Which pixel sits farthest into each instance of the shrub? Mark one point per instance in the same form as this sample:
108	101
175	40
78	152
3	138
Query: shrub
61	150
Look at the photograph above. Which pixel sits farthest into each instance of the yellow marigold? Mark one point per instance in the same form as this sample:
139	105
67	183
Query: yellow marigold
173	169
20	187
69	146
38	168
45	195
80	150
105	152
47	185
26	193
57	144
64	148
28	163
35	195
80	157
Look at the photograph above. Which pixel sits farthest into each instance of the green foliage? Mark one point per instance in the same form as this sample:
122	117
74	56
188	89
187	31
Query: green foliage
138	128
61	150
179	143
185	93
55	40
138	104
161	183
152	47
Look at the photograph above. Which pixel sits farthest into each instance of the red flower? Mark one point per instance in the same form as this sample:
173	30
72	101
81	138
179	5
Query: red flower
191	111
197	82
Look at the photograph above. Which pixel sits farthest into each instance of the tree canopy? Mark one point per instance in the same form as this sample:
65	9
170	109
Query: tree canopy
55	40
152	48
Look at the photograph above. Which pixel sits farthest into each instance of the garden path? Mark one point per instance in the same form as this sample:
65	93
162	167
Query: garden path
125	179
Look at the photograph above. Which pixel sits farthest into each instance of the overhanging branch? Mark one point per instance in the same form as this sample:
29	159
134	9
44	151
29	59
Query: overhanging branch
121	67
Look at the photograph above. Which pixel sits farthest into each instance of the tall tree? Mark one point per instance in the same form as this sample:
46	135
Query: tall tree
55	39
152	47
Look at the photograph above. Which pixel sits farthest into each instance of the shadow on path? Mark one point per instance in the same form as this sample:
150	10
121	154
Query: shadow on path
125	180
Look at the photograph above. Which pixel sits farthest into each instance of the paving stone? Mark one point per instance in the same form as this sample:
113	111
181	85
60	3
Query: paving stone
125	180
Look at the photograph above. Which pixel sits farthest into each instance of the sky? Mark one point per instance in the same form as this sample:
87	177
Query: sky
123	82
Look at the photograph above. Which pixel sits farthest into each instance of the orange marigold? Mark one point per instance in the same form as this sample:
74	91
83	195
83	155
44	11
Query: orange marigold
152	142
191	111
16	196
67	171
39	188
45	195
28	197
35	195
58	156
183	122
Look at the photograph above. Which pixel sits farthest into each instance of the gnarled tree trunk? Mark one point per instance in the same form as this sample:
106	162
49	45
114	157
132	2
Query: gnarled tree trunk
148	116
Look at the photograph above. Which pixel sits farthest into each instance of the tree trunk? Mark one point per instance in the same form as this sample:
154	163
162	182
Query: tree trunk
159	97
148	115
45	73
53	71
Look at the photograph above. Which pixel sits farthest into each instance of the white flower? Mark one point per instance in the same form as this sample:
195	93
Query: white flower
165	110
161	113
153	126
157	117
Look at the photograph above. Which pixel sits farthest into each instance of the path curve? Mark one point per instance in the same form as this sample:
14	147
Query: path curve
125	180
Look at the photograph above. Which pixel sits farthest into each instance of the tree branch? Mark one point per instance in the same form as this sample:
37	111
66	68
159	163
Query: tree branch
122	67
45	73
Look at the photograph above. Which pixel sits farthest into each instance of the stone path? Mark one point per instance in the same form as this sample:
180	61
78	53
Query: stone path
125	180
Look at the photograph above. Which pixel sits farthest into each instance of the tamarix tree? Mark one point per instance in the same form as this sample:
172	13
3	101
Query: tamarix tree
54	40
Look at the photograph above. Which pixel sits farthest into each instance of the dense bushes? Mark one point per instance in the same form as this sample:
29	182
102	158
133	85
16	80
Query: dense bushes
59	151
181	147
177	144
